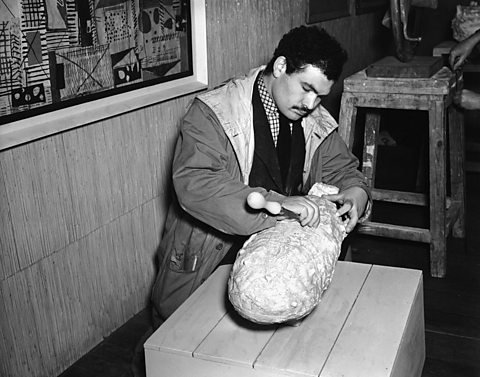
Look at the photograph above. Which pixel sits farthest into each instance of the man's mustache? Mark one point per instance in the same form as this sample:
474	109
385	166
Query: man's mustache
303	109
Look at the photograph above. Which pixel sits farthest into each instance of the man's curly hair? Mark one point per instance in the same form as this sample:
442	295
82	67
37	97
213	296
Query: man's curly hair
310	45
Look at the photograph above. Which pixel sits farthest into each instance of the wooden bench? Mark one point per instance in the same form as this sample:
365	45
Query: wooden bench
369	323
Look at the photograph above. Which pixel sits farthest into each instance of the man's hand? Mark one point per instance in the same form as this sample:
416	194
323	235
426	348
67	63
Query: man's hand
458	55
352	203
467	99
460	52
306	209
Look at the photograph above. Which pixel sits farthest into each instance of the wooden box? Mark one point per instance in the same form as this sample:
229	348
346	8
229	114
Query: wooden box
369	323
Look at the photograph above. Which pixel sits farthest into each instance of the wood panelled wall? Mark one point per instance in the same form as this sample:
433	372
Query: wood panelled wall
81	212
81	218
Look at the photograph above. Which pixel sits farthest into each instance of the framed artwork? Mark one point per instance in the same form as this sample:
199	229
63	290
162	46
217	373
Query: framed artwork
56	56
322	10
367	6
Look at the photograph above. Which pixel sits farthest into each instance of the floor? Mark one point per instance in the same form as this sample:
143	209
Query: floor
452	304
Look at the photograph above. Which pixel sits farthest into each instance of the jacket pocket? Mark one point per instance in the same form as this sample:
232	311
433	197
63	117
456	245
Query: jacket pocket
187	245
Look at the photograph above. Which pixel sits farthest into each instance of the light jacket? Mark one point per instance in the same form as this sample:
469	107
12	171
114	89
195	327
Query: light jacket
211	166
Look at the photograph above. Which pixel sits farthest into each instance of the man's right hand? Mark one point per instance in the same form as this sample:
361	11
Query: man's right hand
306	209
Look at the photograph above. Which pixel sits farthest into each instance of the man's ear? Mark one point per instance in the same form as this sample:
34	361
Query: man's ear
279	66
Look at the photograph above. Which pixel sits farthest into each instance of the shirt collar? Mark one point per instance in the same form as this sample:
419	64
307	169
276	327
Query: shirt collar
267	100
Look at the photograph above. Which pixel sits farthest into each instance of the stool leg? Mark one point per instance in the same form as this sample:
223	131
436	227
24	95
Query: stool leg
372	126
438	192
347	119
422	168
457	168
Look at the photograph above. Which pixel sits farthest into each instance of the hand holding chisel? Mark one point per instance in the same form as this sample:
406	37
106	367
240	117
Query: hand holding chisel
304	210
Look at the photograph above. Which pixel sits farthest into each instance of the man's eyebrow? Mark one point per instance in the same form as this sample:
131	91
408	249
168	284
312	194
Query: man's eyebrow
310	87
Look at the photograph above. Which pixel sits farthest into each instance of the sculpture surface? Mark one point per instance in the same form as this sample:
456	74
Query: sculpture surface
281	273
466	21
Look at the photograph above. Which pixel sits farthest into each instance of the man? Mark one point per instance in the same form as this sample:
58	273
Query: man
264	132
467	99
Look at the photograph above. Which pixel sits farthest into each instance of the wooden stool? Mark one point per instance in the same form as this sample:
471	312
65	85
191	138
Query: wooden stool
370	322
435	95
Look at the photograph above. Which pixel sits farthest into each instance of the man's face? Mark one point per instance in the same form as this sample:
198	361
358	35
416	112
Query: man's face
298	94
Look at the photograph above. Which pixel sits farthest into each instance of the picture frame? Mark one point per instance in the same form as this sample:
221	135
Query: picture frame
107	103
369	6
323	10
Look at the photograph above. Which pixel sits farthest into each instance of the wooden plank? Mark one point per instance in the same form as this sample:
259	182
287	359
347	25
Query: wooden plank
394	100
443	48
401	232
456	134
20	335
375	328
270	20
463	281
452	323
91	191
404	197
163	364
185	329
347	119
450	348
453	214
411	353
418	67
441	368
235	341
438	188
438	84
370	136
35	185
298	350
399	197
453	299
9	261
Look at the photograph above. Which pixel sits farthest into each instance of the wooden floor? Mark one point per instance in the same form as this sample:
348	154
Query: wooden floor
452	305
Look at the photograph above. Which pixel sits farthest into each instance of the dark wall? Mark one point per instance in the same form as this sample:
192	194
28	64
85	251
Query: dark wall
436	24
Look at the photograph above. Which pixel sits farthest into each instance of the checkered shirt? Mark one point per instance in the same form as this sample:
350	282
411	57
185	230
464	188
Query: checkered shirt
270	109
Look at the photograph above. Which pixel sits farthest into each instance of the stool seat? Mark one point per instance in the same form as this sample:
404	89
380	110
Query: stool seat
434	95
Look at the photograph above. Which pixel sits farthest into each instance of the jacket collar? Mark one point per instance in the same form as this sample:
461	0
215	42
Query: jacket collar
232	105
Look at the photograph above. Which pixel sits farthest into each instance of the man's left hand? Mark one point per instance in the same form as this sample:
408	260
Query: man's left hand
467	99
351	202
